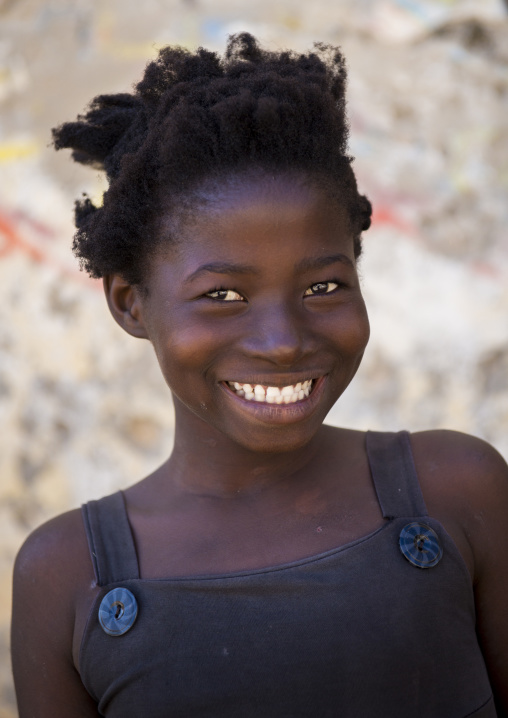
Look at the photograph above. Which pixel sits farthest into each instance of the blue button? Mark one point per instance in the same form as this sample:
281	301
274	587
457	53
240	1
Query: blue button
118	611
420	545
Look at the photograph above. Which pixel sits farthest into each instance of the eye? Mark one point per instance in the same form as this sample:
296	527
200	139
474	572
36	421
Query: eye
225	295
321	288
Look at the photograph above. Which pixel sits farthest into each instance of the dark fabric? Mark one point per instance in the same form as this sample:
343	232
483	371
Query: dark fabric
390	456
356	632
110	540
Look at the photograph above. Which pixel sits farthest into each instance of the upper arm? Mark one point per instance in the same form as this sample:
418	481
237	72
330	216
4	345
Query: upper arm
466	481
51	568
489	538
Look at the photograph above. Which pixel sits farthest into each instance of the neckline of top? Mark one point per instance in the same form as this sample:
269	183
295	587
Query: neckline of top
314	558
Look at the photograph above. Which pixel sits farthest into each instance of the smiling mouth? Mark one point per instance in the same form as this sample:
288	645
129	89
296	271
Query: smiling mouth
273	394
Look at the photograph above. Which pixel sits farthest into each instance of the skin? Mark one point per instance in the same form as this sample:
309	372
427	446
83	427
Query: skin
251	485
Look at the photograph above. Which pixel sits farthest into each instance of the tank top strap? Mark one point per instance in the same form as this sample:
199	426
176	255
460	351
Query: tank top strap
110	539
394	474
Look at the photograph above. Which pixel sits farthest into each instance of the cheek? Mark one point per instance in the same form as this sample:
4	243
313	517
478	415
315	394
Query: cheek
362	326
185	349
353	332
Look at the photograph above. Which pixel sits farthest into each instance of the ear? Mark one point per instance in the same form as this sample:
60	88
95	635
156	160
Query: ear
125	305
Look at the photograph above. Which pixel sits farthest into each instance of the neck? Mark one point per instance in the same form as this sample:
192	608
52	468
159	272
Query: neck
206	462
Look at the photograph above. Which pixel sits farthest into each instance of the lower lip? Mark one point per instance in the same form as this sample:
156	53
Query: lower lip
279	413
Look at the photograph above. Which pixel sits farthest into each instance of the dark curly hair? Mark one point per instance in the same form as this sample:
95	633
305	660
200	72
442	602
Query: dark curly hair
195	117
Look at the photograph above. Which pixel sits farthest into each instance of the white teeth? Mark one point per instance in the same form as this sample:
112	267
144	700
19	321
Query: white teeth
273	394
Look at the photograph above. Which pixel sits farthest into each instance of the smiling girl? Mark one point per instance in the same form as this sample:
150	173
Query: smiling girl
273	565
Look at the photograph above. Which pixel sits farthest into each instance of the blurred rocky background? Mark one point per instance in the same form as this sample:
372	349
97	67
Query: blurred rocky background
83	410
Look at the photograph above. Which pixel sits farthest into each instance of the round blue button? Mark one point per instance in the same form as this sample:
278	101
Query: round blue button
118	611
420	545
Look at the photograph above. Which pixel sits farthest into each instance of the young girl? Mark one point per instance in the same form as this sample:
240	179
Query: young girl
273	566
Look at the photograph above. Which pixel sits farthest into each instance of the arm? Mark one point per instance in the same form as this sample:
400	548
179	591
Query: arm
465	485
53	577
489	537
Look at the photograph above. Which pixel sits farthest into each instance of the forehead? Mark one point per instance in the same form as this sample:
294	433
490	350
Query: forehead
253	215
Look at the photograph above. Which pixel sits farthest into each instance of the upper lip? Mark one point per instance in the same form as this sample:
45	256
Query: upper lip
279	380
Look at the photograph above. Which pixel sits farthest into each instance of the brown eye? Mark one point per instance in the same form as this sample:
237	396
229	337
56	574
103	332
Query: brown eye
321	288
225	295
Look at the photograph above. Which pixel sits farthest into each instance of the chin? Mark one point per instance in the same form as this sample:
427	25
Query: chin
277	441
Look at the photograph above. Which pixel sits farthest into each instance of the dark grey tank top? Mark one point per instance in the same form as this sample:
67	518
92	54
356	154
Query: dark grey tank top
383	627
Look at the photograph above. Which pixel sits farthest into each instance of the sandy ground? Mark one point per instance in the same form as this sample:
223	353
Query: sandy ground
82	407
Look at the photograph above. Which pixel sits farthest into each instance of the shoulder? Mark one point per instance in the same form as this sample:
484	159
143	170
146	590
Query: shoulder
58	548
452	461
52	571
464	481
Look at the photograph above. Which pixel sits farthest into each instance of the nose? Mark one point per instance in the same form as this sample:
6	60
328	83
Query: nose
279	335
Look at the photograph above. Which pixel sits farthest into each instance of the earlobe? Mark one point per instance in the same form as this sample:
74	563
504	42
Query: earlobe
124	304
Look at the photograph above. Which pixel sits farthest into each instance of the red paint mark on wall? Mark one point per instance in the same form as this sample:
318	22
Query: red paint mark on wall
486	269
13	239
383	214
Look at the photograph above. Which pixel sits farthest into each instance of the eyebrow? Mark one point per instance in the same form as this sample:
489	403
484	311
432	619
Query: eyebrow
304	266
222	268
319	262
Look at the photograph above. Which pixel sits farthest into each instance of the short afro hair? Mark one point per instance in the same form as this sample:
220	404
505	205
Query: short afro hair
196	116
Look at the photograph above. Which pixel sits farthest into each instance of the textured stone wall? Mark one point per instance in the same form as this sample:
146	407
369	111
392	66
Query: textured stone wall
82	407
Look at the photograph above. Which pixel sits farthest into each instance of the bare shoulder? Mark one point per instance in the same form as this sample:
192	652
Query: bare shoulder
449	461
56	553
464	481
465	484
53	576
52	573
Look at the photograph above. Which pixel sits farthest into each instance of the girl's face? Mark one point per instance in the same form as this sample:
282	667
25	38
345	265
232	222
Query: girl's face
256	314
